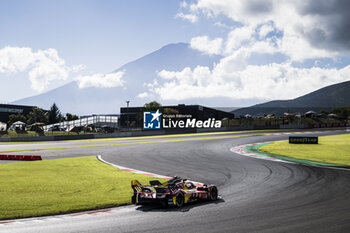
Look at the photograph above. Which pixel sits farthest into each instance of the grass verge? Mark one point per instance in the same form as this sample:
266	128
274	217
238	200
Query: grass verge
331	150
60	186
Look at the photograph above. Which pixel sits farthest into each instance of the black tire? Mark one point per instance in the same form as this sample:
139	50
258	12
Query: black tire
213	194
133	199
179	200
164	203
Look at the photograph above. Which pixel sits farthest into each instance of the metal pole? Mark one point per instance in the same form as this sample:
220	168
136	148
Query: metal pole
127	113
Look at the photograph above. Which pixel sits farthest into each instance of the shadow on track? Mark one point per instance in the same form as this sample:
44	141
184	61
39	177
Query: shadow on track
185	208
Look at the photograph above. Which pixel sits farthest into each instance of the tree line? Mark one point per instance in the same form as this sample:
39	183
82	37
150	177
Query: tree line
37	115
342	111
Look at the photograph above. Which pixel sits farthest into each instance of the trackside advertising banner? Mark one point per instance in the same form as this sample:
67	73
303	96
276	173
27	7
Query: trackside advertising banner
303	140
157	120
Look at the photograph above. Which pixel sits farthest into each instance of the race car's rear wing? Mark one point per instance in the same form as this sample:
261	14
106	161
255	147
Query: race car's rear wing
136	185
155	183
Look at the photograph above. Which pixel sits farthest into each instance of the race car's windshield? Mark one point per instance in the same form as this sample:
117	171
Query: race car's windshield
190	185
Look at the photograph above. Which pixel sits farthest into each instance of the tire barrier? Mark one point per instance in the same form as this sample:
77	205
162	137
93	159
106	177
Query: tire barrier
21	157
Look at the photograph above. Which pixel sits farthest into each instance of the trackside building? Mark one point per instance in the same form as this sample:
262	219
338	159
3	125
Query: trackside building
8	109
133	116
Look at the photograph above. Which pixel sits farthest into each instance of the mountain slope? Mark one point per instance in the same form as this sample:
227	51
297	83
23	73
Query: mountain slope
337	95
70	98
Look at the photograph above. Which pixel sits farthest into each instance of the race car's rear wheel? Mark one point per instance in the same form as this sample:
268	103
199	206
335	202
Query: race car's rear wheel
133	199
164	203
180	199
213	194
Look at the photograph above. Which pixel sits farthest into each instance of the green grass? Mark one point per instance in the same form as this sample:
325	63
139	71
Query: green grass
62	186
331	149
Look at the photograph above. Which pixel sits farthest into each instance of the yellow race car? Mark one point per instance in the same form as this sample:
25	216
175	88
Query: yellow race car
175	192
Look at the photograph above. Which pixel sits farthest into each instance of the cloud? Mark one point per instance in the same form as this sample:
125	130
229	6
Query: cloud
293	29
222	25
43	66
15	59
235	78
265	29
266	82
191	14
78	68
333	23
203	44
189	17
143	95
101	80
237	37
323	24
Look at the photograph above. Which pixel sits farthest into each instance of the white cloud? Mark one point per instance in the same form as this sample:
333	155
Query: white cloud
207	46
78	68
15	59
222	25
43	66
319	29
264	30
267	82
191	14
143	95
184	4
189	17
298	49
298	30
235	78
238	37
101	80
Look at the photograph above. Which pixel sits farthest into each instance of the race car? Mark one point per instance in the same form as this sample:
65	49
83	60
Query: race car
175	192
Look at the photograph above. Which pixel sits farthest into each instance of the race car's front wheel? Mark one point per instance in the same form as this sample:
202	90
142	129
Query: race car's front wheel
179	200
213	194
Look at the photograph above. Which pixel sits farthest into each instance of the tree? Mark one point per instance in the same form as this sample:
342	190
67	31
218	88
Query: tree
170	111
152	106
344	111
55	115
71	117
37	115
325	112
16	117
148	107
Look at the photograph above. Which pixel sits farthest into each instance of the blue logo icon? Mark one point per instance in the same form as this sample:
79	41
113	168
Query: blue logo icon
151	120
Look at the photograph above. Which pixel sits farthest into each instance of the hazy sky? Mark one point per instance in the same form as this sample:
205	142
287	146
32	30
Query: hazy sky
271	49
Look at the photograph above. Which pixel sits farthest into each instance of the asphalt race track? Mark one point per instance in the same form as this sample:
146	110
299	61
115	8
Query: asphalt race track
257	195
